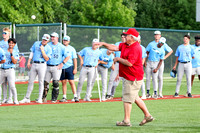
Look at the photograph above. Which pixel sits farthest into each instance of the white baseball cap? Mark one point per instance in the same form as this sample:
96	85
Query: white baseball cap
139	37
46	37
162	40
157	32
54	34
95	40
66	38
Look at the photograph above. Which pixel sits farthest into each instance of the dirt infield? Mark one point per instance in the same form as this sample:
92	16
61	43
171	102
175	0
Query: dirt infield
97	100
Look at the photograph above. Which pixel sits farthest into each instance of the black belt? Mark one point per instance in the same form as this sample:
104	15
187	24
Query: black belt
102	65
185	62
7	68
52	65
88	66
38	62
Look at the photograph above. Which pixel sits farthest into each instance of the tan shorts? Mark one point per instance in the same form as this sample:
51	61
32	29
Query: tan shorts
130	90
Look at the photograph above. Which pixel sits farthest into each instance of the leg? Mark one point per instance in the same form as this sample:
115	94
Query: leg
104	74
89	82
192	79
188	72
82	77
41	75
179	76
160	78
127	111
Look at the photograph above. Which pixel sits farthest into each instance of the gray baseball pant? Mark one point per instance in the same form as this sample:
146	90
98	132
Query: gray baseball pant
52	72
113	75
89	72
104	72
151	65
160	78
36	69
9	75
187	69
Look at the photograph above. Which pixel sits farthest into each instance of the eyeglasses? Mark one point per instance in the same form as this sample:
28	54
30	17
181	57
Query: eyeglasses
4	33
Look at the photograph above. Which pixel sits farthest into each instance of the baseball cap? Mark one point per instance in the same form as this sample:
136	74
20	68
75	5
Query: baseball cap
132	31
22	54
162	40
173	73
95	40
66	38
54	34
46	37
139	37
157	32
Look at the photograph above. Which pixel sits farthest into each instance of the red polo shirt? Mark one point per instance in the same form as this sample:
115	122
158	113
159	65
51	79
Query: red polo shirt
133	54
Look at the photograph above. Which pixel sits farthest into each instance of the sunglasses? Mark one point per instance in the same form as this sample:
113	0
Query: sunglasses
4	33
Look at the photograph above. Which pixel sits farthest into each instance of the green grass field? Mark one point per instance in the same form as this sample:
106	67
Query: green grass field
174	115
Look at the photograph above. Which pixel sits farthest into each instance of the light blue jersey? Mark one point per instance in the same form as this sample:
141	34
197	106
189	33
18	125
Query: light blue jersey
196	60
4	45
144	54
58	52
184	53
91	56
155	53
107	58
117	53
165	46
37	54
72	53
8	63
2	54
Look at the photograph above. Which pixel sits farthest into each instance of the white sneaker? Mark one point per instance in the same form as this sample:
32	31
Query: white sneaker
87	99
10	101
16	102
39	101
160	96
25	100
143	97
4	101
103	98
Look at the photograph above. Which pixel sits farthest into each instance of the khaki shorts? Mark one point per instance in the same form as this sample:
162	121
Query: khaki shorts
196	71
130	90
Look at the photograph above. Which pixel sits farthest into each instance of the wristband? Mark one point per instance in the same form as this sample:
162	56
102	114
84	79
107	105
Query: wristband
63	62
11	54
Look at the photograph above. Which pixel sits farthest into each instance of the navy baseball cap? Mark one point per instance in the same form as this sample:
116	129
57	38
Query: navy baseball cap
173	73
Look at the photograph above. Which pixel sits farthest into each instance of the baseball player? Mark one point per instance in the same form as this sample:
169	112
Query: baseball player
184	54
40	53
144	55
7	69
54	67
155	56
114	75
89	58
103	70
2	60
196	60
4	45
69	70
157	36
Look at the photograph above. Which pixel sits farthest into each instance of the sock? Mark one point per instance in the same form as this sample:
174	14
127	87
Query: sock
155	92
147	91
75	95
64	96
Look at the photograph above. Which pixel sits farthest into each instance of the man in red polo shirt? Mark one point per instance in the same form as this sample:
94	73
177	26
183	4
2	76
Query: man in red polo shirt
131	69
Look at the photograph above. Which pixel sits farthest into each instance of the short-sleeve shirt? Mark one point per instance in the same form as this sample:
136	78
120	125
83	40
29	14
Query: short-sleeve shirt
144	54
117	53
22	62
155	53
91	56
72	53
133	54
58	53
196	60
37	54
4	45
2	54
8	63
184	53
107	58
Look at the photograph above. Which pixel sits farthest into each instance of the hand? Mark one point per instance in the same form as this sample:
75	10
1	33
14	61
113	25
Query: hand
81	63
117	78
74	71
41	47
174	68
11	50
145	64
60	66
116	59
155	70
29	65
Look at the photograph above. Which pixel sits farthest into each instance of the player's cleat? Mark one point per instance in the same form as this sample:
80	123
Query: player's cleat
155	96
87	99
63	100
143	97
176	95
4	101
16	102
148	96
53	101
160	96
76	99
25	100
10	101
39	101
108	97
103	98
189	95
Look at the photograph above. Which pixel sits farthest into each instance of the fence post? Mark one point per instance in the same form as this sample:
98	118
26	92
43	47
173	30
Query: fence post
38	33
13	30
98	33
65	29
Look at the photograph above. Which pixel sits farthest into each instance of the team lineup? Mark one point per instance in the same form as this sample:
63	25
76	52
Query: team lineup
54	61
